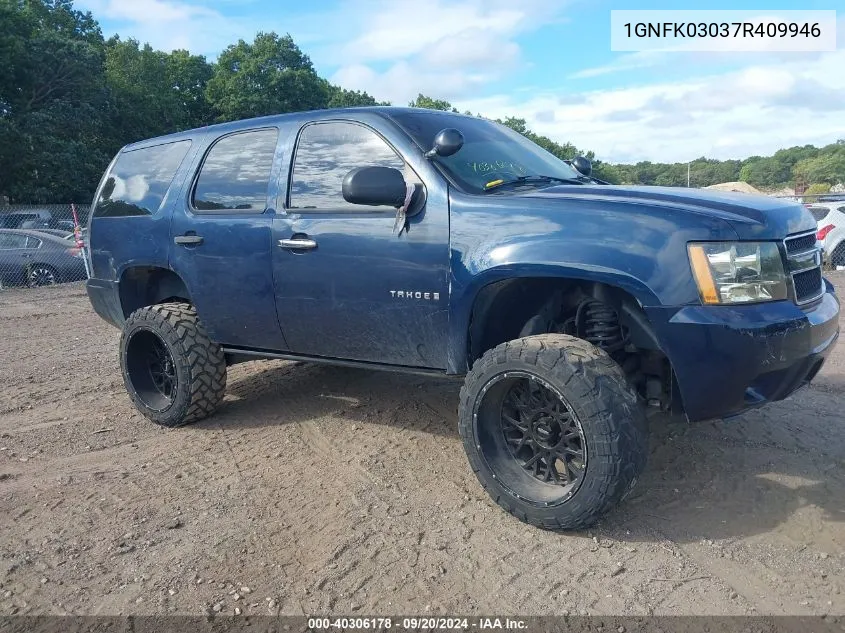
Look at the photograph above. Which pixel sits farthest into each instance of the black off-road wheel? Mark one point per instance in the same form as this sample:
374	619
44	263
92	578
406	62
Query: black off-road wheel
553	430
173	372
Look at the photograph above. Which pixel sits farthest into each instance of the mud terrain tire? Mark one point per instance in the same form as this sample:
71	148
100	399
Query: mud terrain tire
173	372
599	404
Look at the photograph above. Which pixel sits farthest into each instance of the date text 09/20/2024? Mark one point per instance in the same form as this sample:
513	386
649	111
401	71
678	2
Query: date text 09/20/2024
417	623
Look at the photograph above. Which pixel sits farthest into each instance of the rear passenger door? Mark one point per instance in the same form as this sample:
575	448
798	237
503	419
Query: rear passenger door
221	240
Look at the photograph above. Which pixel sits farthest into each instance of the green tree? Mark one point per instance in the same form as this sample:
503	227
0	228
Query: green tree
826	168
423	101
154	93
142	102
188	77
342	98
52	98
269	76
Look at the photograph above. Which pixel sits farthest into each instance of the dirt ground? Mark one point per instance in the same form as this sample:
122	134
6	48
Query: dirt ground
318	489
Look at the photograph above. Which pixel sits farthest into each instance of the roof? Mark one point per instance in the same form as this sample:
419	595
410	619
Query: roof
217	128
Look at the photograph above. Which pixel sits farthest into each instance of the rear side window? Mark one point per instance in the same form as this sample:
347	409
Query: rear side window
236	172
12	240
819	213
140	179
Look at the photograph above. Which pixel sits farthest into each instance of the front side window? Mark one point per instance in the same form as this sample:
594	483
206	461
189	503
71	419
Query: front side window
139	180
326	152
236	172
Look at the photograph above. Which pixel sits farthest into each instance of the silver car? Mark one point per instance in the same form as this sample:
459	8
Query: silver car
830	217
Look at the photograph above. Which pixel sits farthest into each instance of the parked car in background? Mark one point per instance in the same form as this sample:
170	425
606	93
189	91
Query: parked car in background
67	225
33	258
831	230
29	219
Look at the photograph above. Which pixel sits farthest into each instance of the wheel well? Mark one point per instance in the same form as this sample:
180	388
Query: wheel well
148	285
604	315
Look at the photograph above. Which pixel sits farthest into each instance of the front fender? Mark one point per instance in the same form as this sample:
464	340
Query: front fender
639	248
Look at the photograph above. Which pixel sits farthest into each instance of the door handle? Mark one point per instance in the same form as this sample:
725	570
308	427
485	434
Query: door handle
187	240
300	244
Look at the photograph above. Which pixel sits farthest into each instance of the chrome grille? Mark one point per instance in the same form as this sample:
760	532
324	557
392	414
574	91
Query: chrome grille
803	265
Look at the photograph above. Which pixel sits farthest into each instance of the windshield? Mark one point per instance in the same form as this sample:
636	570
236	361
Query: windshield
491	151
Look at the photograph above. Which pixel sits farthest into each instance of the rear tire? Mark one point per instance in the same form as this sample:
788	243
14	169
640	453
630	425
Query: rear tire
174	373
553	430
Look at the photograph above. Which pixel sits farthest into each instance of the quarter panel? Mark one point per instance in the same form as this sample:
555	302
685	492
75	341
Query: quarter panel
117	243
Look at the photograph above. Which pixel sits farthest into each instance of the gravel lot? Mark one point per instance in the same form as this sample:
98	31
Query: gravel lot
318	489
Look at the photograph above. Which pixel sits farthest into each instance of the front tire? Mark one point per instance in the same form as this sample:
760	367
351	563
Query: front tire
552	430
174	373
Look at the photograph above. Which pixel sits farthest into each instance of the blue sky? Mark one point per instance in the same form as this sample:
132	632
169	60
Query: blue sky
548	61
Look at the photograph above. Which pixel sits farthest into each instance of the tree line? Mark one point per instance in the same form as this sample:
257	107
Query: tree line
70	98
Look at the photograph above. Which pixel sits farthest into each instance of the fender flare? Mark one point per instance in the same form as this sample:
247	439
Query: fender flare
464	296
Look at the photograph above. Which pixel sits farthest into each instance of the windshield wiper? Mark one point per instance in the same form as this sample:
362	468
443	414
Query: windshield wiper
534	178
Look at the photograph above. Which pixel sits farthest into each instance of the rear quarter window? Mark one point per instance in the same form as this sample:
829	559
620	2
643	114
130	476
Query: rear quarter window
139	180
10	241
819	213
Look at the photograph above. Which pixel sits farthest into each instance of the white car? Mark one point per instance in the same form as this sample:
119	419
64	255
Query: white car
831	230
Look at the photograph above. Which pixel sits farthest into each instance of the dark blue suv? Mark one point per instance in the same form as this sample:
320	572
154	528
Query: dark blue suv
429	242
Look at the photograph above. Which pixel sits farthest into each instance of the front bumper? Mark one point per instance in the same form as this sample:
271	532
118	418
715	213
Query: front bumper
727	359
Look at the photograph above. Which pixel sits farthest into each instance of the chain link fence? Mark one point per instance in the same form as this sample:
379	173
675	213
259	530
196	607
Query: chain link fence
42	245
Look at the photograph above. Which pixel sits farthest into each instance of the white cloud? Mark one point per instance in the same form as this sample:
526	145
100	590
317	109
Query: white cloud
455	49
753	110
446	48
168	25
393	49
623	63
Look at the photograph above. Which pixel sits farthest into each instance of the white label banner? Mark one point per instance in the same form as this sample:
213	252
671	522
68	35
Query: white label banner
723	31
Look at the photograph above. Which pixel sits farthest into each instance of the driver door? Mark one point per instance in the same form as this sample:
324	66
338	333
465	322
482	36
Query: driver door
348	285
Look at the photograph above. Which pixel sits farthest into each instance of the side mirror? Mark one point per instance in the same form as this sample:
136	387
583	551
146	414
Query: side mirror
446	143
583	165
374	186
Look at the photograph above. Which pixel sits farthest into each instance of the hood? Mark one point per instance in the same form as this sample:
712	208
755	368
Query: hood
751	216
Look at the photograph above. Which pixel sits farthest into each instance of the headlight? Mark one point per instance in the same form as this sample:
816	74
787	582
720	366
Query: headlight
738	272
